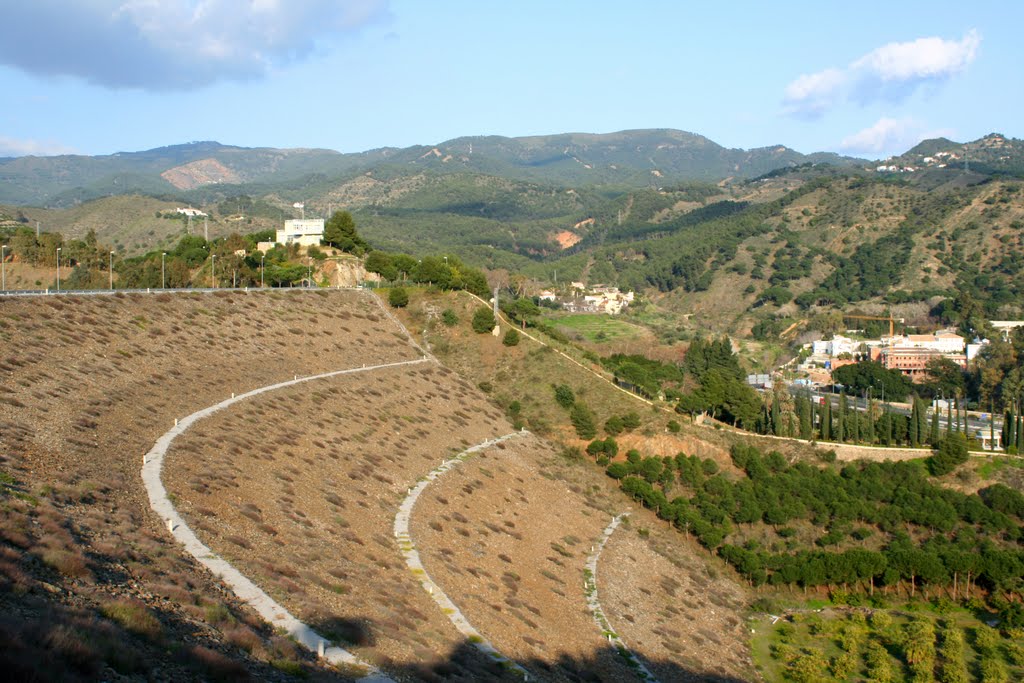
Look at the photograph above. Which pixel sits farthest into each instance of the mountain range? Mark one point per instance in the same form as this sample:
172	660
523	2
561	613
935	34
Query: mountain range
633	158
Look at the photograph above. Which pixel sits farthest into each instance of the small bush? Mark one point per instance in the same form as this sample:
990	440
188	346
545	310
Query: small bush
134	616
564	396
449	317
398	297
511	338
483	320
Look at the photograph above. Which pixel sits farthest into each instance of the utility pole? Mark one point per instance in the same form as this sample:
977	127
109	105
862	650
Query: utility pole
206	228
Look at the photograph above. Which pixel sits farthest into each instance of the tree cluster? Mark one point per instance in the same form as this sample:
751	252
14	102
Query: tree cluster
928	535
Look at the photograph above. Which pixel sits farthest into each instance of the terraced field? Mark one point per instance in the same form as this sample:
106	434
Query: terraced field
299	489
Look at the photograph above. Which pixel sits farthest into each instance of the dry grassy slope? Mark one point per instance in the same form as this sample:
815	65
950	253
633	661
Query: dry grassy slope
512	529
130	222
95	380
299	489
86	386
524	373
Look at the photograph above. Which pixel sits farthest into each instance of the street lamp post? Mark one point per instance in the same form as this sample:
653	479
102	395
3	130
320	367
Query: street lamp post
3	266
110	269
213	271
58	270
262	269
163	270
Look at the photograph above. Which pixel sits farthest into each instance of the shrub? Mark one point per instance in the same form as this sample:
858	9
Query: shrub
133	616
564	396
511	338
630	421
483	320
674	426
583	421
949	452
398	297
613	426
449	317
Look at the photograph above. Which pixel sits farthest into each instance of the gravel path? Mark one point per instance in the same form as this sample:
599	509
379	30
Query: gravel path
412	557
267	607
594	603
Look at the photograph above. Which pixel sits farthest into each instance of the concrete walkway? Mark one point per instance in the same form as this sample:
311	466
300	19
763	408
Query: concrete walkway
412	557
594	604
267	607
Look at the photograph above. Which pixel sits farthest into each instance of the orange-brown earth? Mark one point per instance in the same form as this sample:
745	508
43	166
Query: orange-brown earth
91	584
299	487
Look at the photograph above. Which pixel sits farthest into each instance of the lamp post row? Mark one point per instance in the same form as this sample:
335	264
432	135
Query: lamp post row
110	269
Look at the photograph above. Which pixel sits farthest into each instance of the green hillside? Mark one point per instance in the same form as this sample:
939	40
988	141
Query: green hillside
634	158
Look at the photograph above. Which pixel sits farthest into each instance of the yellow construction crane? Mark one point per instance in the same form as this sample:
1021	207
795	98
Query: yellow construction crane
892	320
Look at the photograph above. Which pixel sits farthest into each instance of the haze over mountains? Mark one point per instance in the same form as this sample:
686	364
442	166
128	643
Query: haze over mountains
634	158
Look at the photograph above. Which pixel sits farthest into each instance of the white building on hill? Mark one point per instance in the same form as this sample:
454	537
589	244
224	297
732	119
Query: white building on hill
305	231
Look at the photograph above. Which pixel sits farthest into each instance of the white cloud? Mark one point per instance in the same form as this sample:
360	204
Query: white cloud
11	147
919	59
880	137
888	73
172	44
889	136
814	93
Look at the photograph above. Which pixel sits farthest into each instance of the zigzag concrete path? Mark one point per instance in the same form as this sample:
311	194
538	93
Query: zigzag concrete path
412	557
594	604
267	607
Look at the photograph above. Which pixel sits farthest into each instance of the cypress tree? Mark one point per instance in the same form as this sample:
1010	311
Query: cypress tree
915	414
933	436
1009	429
826	420
803	408
1020	432
949	418
841	418
869	424
776	417
922	421
855	423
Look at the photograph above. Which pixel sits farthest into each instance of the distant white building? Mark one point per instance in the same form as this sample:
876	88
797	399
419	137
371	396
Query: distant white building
835	346
943	341
191	212
1007	326
307	232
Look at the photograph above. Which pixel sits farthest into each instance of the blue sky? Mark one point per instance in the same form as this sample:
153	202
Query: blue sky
868	78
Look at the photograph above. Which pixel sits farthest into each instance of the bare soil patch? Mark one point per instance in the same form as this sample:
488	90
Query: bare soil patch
299	489
87	384
680	612
507	534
